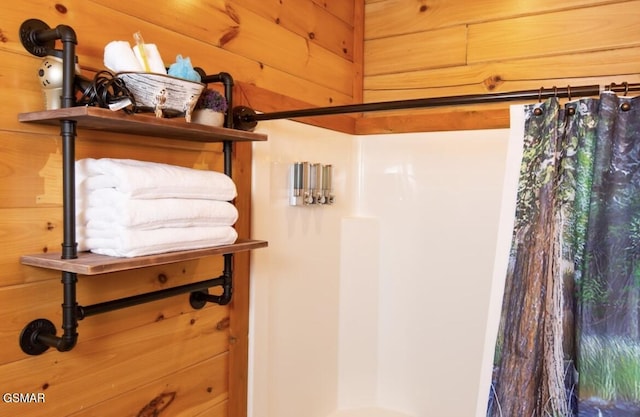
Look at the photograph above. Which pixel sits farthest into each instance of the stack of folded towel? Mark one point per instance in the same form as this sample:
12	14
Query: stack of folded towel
130	208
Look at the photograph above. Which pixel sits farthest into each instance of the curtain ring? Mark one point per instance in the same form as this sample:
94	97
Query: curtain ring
555	92
569	92
537	111
626	106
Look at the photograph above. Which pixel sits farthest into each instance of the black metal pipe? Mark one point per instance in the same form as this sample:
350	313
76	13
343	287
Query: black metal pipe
227	285
69	244
113	305
69	42
227	150
68	134
227	81
200	298
69	336
41	334
62	32
39	40
564	92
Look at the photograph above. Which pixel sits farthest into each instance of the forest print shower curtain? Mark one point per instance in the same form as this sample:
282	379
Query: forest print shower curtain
569	337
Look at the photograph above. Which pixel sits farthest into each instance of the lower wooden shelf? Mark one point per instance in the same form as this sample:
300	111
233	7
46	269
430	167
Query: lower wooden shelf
88	263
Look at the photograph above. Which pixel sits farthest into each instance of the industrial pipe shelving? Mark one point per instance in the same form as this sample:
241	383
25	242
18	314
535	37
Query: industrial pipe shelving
40	334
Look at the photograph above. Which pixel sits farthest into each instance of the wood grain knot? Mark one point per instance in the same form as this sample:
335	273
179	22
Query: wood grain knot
223	324
157	405
61	8
229	35
232	13
491	83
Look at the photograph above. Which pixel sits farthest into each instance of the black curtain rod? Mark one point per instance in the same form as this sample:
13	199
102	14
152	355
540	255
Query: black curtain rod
246	119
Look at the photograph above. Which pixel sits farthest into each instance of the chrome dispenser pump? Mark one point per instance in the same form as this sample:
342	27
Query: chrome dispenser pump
310	184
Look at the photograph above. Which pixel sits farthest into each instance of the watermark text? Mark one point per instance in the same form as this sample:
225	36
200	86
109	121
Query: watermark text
23	397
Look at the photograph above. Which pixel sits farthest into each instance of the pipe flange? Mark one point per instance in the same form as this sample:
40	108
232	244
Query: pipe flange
198	299
29	336
28	30
244	118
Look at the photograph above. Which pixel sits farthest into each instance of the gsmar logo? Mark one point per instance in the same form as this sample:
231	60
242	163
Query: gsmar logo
23	397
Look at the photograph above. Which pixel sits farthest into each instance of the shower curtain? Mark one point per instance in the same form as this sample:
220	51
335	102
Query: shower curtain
568	342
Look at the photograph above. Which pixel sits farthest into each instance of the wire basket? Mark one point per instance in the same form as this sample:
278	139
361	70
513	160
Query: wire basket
165	95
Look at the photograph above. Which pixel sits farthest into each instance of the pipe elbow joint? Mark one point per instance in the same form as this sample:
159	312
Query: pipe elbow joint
225	297
67	342
66	34
226	78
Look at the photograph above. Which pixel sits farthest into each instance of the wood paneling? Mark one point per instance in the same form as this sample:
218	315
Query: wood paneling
387	18
248	34
200	388
345	10
416	51
117	364
575	31
263	53
506	46
517	74
311	20
231	27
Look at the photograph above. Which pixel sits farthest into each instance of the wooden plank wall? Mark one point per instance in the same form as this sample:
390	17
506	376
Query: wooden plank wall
436	48
162	353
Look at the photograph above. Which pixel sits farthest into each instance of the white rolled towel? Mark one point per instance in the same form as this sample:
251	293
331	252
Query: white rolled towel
123	242
150	180
119	57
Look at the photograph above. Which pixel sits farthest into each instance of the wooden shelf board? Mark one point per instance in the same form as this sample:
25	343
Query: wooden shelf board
144	124
89	263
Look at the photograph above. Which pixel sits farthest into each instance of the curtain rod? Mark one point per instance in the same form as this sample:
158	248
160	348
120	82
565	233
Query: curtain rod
246	119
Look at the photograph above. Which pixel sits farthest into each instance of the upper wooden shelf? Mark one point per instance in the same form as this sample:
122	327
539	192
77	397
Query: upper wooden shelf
144	124
88	263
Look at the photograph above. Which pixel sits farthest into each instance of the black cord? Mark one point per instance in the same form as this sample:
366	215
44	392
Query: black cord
103	90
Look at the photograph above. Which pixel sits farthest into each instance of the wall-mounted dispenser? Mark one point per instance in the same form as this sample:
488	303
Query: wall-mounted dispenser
311	184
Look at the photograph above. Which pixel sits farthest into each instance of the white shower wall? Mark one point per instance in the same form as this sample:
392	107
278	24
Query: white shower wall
380	301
